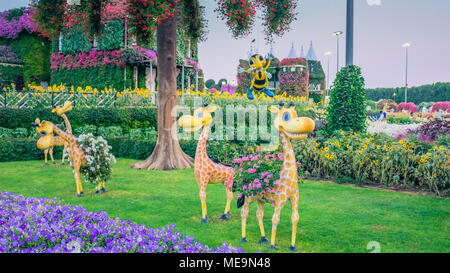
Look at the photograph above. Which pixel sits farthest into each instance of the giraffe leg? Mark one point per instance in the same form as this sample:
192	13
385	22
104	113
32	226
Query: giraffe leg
260	216
294	218
63	154
103	189
50	151
244	214
227	207
279	204
76	169
45	155
202	185
99	187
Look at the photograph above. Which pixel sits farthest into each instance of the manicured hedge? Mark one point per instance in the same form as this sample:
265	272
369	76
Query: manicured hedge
22	149
100	117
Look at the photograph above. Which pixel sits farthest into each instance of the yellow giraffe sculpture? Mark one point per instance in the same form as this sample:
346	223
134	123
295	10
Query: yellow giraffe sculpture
290	127
206	170
57	140
76	155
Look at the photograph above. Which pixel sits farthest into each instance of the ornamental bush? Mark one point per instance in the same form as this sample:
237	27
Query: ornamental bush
441	106
99	160
347	110
409	106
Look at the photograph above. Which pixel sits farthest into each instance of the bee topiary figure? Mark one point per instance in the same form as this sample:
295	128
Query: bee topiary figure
257	66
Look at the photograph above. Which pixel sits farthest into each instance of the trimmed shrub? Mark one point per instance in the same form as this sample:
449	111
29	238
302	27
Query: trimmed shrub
100	117
347	110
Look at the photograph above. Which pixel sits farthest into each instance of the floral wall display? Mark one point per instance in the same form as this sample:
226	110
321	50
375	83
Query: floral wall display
13	22
7	55
82	60
21	45
293	77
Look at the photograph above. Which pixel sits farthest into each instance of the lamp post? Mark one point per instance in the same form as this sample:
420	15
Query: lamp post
337	34
349	34
328	54
406	46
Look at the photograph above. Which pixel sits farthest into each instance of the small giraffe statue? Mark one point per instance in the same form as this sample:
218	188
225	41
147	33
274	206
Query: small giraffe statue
76	155
57	140
290	127
206	170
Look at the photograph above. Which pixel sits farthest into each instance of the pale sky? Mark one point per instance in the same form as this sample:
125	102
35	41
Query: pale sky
380	30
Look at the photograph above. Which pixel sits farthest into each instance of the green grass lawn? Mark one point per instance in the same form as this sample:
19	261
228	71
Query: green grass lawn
333	218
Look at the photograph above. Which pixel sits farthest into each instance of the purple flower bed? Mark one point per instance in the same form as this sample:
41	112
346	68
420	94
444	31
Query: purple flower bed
430	131
42	225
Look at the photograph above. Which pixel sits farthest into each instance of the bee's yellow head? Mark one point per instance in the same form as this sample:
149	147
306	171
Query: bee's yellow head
63	109
257	61
288	123
201	117
45	130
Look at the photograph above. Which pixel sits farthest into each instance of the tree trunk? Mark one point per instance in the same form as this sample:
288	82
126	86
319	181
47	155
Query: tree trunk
167	154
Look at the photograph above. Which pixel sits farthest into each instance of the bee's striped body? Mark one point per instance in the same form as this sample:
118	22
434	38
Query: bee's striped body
260	81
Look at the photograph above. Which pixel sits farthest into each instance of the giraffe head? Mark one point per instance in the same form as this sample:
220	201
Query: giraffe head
201	117
289	124
63	109
45	129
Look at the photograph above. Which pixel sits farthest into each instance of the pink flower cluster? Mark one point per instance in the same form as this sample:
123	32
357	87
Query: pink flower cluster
192	63
83	60
443	105
149	54
409	106
12	29
114	9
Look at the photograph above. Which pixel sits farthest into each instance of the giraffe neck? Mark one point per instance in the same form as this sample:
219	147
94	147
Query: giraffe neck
201	146
66	121
66	136
289	156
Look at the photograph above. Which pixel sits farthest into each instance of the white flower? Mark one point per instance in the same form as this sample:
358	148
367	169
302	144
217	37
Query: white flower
393	130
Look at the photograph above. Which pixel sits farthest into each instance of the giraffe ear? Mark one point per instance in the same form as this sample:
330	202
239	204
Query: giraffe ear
211	109
274	110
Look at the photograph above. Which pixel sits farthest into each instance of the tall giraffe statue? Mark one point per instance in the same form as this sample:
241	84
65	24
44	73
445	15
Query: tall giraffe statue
290	127
76	155
61	111
206	170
